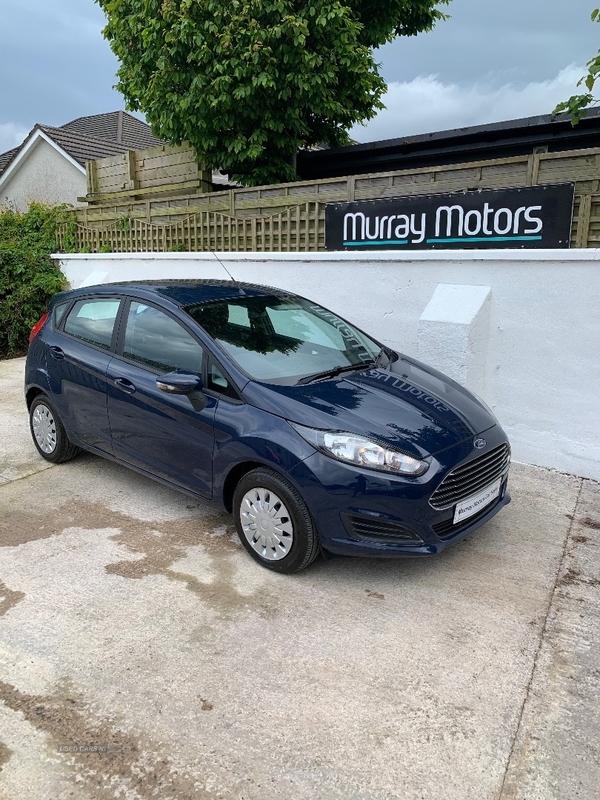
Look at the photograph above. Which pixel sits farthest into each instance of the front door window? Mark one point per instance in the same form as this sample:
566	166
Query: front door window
157	341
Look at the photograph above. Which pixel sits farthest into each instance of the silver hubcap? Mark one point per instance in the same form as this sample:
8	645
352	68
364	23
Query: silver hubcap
266	524
44	428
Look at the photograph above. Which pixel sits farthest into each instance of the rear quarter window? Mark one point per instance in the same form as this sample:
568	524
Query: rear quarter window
59	312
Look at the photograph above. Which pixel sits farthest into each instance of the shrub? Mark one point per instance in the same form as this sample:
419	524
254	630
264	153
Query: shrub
28	276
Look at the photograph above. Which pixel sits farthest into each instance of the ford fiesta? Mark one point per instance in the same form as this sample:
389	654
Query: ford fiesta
316	436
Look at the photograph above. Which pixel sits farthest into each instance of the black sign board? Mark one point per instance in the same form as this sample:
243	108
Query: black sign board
535	216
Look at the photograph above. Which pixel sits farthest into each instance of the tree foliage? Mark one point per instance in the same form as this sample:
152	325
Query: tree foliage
28	276
249	82
577	104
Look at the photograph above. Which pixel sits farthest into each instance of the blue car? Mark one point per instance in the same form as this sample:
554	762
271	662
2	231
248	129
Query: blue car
317	437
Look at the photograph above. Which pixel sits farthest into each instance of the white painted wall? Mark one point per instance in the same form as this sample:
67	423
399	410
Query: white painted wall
45	176
541	319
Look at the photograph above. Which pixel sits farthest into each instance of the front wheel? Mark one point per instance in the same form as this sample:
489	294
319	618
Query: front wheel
273	522
48	432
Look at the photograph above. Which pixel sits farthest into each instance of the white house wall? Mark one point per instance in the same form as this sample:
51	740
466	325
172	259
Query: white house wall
535	342
45	176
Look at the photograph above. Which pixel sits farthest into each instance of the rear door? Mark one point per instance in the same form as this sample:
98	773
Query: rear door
168	435
77	361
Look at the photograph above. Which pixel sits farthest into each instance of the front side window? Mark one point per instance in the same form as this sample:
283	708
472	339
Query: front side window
283	339
156	340
218	382
93	321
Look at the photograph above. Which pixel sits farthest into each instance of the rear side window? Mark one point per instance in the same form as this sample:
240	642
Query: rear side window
59	312
93	321
159	342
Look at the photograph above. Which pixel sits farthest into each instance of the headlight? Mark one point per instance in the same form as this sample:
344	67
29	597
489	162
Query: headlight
353	449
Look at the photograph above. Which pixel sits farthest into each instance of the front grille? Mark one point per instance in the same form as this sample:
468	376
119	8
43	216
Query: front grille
470	478
374	529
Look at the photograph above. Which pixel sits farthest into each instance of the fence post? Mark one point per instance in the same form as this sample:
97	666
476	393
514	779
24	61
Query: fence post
204	179
92	176
351	188
131	166
583	220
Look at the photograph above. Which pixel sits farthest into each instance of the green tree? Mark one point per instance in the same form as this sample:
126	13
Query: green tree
249	82
577	104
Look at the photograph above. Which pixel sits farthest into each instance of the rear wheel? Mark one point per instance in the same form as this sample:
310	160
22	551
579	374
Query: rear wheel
273	522
48	432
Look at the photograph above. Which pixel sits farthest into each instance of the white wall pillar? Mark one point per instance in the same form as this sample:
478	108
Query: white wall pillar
454	331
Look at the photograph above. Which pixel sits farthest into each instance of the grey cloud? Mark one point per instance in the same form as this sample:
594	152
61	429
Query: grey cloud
59	65
497	40
56	65
427	104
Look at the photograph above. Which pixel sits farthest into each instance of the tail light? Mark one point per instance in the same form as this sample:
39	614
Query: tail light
38	327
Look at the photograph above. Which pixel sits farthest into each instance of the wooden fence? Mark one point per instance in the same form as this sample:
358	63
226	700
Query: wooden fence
138	172
297	228
291	216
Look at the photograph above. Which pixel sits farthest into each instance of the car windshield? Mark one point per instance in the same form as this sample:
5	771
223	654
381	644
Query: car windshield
284	339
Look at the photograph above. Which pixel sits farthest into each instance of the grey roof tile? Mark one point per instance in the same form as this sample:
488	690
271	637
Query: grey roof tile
116	126
83	148
98	136
6	158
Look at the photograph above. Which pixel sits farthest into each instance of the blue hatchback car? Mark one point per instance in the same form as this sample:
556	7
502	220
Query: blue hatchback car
316	436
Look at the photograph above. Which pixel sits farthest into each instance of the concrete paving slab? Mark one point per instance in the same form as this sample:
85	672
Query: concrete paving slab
556	752
18	456
144	654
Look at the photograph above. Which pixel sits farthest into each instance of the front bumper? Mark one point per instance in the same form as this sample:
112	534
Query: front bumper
361	512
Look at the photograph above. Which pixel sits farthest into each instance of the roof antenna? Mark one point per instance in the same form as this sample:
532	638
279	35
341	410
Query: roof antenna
236	284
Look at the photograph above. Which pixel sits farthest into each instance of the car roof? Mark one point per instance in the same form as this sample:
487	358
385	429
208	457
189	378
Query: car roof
183	292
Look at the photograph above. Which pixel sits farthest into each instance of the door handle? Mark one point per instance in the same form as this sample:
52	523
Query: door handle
57	353
125	385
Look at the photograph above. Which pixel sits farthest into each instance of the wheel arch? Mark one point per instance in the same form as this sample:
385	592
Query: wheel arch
234	476
31	394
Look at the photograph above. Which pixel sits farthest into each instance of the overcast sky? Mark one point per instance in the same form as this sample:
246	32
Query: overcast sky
493	60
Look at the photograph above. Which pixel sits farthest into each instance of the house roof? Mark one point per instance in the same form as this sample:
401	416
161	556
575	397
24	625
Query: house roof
6	158
83	148
116	126
87	138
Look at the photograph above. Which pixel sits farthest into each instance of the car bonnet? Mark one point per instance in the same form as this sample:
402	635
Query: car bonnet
408	406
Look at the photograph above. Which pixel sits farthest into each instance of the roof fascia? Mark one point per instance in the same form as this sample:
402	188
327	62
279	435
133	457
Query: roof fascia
34	139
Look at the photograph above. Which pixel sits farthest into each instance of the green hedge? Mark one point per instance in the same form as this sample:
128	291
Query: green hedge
28	276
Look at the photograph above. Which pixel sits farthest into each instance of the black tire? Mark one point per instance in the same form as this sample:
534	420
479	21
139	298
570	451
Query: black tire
48	432
286	552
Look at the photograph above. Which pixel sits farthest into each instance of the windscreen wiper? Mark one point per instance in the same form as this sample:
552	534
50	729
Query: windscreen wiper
332	373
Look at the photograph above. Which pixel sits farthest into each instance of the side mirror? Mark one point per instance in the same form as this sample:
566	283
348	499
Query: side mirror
179	383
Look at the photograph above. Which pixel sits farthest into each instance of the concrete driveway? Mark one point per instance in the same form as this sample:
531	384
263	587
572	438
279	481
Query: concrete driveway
144	655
